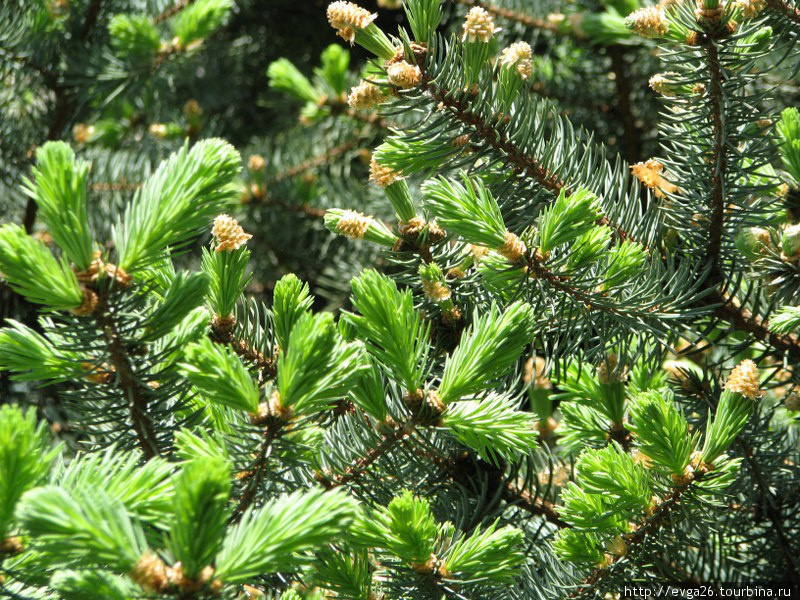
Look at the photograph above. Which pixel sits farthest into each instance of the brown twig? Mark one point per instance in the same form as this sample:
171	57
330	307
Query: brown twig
784	8
522	19
316	161
137	394
305	209
651	525
265	364
172	11
523	499
495	137
256	475
360	466
767	501
743	320
719	161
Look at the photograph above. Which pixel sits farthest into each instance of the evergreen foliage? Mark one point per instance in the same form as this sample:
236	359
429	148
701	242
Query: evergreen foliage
499	299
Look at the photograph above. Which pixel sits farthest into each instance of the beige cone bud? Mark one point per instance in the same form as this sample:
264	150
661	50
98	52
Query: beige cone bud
648	22
744	380
514	248
519	54
346	18
478	26
365	95
229	234
382	176
404	75
353	225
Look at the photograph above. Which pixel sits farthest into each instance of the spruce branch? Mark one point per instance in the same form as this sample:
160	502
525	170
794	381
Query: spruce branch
265	364
522	498
172	11
362	464
784	8
771	506
659	516
719	158
497	138
136	393
516	17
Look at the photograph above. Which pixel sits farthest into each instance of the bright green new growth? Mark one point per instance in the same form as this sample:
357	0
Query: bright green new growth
662	432
92	585
332	72
25	457
786	320
227	271
219	376
278	536
589	247
177	202
487	351
184	294
568	218
369	393
31	270
625	262
317	366
85	527
493	427
393	331
612	473
580	547
468	210
283	75
733	412
202	490
200	19
789	130
31	357
291	300
492	554
134	37
406	528
146	490
59	189
424	17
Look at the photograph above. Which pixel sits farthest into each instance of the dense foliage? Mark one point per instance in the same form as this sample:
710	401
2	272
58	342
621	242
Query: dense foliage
481	300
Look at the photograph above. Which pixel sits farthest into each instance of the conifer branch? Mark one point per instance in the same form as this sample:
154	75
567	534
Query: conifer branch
790	12
136	394
305	209
767	501
510	493
516	17
497	139
743	320
360	466
244	350
172	11
523	499
493	136
316	161
728	309
719	160
255	475
660	516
